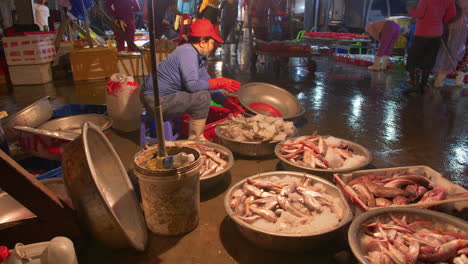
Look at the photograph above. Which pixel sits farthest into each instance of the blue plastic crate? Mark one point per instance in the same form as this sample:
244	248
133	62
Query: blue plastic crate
52	167
55	173
79	109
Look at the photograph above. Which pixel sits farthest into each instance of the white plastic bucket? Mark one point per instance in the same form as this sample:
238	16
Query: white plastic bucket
123	102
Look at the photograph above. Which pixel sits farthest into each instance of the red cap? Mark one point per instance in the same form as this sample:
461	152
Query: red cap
4	253
204	28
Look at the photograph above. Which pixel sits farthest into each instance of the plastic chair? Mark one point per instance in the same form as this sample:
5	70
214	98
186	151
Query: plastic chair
148	129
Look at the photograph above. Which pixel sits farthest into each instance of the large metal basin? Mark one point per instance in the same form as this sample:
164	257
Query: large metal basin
101	191
31	116
208	182
49	146
284	101
288	242
326	173
13	211
356	230
75	123
251	149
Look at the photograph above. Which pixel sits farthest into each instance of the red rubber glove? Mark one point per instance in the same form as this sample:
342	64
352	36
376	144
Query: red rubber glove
230	104
281	13
227	84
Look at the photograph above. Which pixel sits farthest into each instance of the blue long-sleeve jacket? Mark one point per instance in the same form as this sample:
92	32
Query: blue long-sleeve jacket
183	70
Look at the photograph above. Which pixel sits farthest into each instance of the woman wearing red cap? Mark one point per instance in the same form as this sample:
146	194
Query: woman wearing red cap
185	86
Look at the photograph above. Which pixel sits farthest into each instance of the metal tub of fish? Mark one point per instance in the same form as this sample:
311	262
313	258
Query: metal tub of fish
412	186
32	116
217	160
234	134
50	146
285	210
272	95
322	155
408	235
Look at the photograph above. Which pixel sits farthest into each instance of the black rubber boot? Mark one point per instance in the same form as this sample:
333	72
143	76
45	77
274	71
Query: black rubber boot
424	79
413	83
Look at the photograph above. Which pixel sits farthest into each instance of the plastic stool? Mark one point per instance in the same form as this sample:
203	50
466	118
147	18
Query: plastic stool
148	129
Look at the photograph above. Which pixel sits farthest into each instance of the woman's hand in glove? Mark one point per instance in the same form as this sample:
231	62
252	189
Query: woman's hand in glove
227	84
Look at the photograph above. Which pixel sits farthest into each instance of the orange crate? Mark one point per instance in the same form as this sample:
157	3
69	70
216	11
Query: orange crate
93	63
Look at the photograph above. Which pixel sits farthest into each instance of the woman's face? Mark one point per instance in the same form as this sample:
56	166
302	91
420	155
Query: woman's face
207	46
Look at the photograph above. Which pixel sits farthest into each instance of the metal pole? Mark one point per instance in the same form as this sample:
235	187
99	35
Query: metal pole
158	118
448	55
316	14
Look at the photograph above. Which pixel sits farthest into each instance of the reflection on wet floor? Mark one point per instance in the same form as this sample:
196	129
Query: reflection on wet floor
340	99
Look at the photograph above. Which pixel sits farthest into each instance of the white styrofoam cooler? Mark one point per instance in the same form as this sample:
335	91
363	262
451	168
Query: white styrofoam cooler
30	74
30	49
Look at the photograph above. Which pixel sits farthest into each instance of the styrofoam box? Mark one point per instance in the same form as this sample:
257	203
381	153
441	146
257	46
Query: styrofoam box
29	49
30	74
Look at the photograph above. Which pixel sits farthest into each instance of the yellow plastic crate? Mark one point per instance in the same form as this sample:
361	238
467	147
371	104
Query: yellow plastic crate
93	63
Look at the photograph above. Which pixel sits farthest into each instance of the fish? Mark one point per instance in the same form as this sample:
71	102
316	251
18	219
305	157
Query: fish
265	185
252	190
382	202
258	128
386	192
267	214
364	194
284	203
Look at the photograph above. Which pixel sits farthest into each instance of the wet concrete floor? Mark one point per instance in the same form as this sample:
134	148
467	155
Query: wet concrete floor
341	100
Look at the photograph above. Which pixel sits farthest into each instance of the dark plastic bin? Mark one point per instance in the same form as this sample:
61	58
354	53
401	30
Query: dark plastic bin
52	168
79	109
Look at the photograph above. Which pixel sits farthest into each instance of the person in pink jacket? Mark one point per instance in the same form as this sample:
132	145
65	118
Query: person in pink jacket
123	13
431	15
387	33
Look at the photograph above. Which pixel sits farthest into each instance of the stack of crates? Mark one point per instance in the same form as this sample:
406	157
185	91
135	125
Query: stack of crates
29	57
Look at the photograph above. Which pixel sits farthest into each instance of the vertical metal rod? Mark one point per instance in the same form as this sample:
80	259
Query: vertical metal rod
316	14
158	117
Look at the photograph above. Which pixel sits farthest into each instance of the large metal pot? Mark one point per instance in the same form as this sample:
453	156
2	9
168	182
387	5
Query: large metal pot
74	123
356	230
289	242
251	149
50	145
101	191
284	101
31	116
326	173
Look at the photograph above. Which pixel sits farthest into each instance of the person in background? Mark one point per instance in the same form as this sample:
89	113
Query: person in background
456	42
431	16
228	17
41	15
185	87
387	33
209	10
123	13
169	20
258	14
7	8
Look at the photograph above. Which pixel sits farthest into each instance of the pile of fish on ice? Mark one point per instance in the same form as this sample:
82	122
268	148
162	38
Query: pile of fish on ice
287	204
406	239
320	152
259	128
